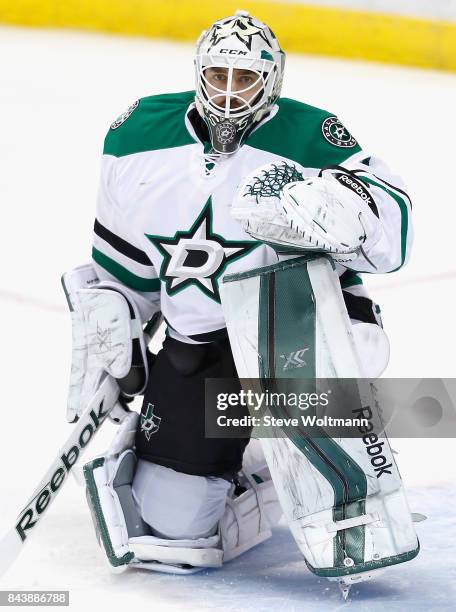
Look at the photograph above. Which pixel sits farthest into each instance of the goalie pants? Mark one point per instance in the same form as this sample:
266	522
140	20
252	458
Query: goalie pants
171	429
182	478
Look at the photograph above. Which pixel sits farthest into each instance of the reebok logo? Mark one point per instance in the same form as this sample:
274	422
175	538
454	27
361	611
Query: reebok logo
374	448
30	515
359	188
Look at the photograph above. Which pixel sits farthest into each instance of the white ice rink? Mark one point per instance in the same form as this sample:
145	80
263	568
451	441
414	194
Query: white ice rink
59	93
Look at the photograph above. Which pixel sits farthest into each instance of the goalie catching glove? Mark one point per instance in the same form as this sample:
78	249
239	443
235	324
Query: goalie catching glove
107	337
331	213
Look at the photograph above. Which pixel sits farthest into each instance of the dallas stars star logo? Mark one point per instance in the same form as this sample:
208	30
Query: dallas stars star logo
150	422
198	256
241	27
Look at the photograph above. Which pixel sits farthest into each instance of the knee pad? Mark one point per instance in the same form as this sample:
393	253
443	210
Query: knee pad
373	348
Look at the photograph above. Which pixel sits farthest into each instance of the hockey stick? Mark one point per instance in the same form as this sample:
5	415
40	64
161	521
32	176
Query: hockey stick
88	424
102	403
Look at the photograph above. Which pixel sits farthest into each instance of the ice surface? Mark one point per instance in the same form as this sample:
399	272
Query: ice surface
60	92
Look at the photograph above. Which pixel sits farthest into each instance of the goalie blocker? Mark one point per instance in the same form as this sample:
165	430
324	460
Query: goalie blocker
347	521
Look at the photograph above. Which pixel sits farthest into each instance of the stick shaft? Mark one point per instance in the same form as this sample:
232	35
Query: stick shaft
51	483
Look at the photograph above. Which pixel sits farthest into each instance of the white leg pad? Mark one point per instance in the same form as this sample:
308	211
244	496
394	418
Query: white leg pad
200	553
107	513
103	500
247	520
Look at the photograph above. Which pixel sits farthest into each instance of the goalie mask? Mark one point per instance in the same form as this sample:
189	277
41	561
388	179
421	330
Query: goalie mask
239	71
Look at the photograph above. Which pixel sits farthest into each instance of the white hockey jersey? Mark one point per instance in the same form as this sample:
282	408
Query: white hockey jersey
163	226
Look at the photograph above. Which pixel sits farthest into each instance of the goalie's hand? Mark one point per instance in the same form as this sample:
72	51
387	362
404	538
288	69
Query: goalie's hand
102	342
278	205
328	215
105	328
257	205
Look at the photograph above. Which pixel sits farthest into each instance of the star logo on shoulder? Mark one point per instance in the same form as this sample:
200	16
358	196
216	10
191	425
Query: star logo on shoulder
198	256
337	134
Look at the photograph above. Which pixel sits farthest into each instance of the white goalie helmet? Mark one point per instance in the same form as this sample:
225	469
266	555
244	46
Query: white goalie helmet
239	71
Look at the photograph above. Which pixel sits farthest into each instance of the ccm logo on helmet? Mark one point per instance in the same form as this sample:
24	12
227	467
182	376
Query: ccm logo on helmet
233	52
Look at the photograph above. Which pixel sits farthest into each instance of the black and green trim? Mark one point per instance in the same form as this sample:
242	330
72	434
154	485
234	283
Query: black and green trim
133	281
121	245
402	200
350	278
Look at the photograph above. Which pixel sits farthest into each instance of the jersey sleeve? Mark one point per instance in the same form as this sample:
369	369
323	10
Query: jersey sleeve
387	198
116	252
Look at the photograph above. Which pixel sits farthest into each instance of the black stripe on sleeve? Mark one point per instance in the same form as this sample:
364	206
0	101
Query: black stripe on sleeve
386	183
121	245
397	189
